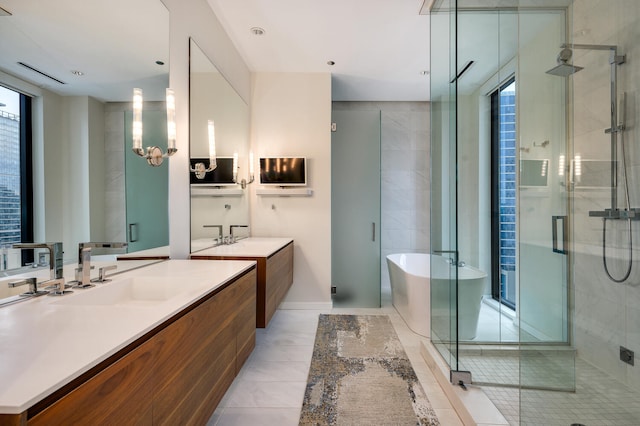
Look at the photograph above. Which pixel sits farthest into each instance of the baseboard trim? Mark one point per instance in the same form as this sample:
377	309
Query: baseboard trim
306	305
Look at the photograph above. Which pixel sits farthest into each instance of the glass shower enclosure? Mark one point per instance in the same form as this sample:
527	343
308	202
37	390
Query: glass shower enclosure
534	164
500	174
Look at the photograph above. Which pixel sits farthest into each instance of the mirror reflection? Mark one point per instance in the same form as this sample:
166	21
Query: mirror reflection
69	84
218	202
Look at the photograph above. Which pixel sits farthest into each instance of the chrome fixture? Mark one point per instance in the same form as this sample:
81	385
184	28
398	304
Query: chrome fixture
243	183
564	69
232	227
83	271
57	287
200	170
102	274
33	287
617	128
215	226
55	256
153	154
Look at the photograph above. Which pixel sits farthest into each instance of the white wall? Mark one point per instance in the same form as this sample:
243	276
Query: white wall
291	116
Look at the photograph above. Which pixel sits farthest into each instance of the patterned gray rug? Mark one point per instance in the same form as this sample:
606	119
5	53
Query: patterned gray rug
360	375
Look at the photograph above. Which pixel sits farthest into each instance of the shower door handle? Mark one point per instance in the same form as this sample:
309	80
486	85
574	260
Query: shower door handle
133	230
559	223
453	252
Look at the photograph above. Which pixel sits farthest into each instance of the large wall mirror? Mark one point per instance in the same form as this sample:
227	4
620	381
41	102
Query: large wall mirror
79	62
217	202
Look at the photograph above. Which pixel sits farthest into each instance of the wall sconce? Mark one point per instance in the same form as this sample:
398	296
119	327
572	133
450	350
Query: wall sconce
243	183
200	170
153	154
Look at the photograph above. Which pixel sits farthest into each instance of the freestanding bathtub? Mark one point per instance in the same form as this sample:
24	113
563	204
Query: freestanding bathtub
411	282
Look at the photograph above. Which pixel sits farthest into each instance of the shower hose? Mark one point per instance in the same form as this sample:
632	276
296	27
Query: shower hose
629	230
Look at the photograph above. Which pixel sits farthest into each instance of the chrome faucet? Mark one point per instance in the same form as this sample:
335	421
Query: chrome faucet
219	230
83	271
32	282
57	287
55	256
232	227
102	274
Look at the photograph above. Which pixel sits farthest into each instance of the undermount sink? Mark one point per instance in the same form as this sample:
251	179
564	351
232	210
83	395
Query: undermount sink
133	291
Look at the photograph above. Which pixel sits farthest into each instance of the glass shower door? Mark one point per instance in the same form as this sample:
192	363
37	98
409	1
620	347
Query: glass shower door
489	50
547	360
355	208
444	242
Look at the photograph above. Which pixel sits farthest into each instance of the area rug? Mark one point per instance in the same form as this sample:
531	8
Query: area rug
360	375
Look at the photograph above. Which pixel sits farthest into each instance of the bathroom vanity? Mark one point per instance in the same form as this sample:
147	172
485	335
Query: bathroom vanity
274	258
159	344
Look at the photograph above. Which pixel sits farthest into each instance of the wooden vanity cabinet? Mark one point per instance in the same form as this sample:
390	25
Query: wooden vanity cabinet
175	374
275	277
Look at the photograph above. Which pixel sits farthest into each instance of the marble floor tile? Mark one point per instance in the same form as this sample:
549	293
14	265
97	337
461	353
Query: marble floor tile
270	387
255	394
274	371
257	416
274	352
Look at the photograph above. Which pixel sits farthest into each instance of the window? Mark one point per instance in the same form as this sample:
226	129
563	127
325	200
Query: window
16	182
503	192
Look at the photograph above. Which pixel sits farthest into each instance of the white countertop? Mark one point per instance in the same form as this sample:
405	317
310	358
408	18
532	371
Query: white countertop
247	247
48	341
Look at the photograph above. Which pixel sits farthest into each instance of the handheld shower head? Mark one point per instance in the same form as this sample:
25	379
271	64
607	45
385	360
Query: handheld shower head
563	69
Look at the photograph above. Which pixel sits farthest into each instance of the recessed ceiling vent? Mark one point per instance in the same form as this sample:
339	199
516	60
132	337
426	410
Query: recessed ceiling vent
41	73
4	12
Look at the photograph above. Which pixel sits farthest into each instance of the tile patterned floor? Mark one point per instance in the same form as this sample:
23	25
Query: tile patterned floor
598	400
270	387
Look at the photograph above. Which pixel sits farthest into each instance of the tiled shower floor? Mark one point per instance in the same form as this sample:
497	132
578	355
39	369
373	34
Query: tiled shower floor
597	400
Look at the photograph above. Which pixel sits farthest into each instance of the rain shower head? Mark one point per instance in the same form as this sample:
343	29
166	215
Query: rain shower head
563	69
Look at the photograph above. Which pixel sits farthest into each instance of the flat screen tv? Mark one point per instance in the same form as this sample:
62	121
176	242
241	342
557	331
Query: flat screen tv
221	176
283	171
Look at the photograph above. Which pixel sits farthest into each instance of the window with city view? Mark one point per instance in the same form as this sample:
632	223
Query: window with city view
503	117
15	172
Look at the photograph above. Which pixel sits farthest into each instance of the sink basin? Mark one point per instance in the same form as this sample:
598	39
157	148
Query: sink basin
132	291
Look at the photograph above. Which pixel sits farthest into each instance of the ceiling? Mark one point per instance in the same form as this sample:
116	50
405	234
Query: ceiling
115	44
380	47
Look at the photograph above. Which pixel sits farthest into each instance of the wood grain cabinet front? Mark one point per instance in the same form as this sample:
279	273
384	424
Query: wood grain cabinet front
275	277
175	374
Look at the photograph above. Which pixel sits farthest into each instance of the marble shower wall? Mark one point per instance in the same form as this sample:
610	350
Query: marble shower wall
405	185
606	314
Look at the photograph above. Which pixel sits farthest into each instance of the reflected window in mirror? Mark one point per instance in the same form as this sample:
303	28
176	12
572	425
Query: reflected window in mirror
16	179
78	158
